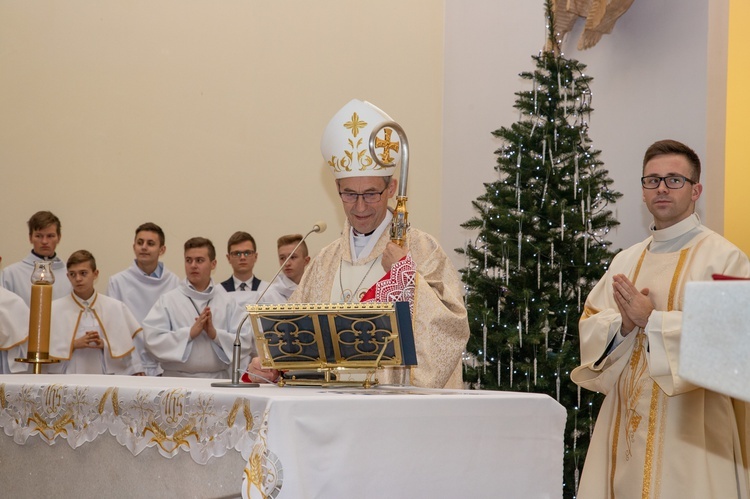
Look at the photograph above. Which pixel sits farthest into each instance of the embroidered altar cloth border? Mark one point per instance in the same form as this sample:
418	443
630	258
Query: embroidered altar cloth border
172	414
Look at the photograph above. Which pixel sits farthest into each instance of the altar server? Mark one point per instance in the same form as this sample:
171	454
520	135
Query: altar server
246	287
191	329
14	331
363	264
92	333
44	235
140	285
287	281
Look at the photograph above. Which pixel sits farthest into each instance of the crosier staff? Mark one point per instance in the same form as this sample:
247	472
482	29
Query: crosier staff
400	223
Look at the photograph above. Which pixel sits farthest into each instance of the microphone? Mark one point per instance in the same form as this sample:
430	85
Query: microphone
319	227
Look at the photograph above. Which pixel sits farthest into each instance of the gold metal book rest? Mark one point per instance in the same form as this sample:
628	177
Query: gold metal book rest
319	344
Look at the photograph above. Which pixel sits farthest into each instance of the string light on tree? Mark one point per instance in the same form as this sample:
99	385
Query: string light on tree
542	226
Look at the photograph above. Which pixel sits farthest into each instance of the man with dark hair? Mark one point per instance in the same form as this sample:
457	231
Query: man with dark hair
140	285
44	235
630	350
191	329
242	255
92	333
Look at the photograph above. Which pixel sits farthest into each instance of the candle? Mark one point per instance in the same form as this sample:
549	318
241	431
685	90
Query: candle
39	319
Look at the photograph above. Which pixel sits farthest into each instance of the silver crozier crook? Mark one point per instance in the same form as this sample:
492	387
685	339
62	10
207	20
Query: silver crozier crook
400	215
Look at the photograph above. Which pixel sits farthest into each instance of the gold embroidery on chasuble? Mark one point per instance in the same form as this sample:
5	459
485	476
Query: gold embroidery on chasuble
638	393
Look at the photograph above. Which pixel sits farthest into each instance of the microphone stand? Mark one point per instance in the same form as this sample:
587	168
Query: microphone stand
237	347
236	355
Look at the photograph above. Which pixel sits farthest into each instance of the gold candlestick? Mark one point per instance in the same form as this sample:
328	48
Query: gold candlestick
40	311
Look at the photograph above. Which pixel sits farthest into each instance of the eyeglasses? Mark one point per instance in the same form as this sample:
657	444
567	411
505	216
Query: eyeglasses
671	181
367	197
246	254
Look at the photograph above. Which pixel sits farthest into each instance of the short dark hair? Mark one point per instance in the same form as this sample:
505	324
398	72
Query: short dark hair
240	237
292	239
43	219
201	242
81	256
151	227
669	146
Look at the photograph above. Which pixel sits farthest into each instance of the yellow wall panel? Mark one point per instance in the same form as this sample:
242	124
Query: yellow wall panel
737	170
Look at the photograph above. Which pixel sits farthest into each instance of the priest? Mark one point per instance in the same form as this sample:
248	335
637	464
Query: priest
364	265
658	435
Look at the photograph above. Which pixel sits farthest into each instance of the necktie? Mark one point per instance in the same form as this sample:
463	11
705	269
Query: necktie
243	286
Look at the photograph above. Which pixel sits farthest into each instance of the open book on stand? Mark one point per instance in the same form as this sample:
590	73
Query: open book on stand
328	339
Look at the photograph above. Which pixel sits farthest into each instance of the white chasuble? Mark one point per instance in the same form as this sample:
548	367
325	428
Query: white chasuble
658	436
439	318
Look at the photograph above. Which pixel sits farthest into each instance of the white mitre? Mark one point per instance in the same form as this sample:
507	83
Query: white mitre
345	143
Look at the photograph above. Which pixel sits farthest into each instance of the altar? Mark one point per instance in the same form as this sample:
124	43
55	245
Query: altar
119	436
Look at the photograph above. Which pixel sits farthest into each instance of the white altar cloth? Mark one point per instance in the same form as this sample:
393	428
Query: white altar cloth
715	344
293	442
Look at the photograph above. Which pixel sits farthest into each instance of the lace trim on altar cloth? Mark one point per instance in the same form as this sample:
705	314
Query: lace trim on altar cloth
172	419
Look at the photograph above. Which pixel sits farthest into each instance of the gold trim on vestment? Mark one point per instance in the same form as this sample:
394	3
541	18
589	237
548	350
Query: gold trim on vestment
655	396
618	417
629	394
676	278
647	465
660	455
589	312
638	266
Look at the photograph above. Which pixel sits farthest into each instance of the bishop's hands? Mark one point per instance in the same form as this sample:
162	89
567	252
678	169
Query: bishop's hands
635	306
203	322
393	253
258	374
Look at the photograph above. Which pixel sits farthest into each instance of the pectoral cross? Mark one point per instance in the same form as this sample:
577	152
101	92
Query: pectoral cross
387	146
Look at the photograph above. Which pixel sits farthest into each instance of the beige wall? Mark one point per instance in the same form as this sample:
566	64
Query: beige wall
658	75
203	116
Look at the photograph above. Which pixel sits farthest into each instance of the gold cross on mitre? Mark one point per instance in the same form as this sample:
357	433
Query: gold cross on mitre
387	146
355	124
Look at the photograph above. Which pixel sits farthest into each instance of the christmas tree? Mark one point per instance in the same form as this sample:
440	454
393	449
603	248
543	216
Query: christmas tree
540	247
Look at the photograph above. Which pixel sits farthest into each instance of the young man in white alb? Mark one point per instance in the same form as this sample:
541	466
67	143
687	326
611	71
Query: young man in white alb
287	281
44	235
141	284
191	329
